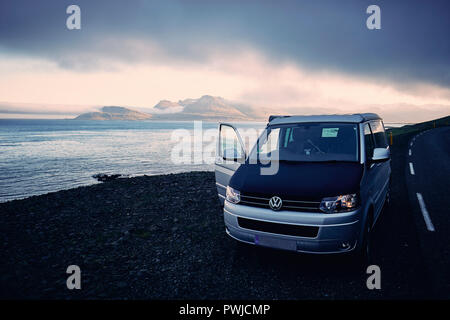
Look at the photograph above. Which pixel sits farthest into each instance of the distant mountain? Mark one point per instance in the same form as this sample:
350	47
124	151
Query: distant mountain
114	113
166	104
206	108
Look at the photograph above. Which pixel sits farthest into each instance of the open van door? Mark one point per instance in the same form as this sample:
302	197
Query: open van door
230	154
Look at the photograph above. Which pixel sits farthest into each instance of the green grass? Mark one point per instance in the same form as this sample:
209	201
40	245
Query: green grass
441	122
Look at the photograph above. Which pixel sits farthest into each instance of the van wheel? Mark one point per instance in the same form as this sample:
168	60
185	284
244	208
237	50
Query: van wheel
220	203
364	254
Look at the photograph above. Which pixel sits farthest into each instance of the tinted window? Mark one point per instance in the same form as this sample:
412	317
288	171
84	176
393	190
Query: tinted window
378	134
368	141
309	142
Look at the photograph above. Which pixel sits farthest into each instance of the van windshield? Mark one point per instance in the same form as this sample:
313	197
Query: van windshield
311	142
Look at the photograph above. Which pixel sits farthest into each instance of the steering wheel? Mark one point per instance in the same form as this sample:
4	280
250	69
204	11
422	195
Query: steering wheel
315	147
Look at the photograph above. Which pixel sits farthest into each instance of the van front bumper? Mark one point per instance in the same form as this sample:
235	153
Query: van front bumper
292	230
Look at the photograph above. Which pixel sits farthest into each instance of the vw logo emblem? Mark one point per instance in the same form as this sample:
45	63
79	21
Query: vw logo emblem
275	203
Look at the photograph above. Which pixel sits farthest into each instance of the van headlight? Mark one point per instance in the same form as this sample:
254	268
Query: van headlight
234	196
340	203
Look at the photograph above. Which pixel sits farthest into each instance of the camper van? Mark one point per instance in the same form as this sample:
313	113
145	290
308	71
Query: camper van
313	184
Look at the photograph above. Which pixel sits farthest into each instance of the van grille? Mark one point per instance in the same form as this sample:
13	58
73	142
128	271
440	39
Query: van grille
290	205
278	228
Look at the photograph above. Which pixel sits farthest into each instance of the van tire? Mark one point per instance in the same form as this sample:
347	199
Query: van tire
363	254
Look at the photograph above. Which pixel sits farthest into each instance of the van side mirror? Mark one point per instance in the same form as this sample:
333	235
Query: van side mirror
380	155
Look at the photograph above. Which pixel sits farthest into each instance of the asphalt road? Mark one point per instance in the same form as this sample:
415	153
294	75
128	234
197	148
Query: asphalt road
428	182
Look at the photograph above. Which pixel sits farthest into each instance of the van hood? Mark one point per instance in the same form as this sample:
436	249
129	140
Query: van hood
299	180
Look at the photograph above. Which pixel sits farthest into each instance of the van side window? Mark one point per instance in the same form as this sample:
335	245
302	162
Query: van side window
287	137
378	134
368	141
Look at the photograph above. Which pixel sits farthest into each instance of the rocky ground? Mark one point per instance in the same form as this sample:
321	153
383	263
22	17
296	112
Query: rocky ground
147	237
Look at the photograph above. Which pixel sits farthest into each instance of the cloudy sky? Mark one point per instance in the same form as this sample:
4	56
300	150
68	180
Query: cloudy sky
290	56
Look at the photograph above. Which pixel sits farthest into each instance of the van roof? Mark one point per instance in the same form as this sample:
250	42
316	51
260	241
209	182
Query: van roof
350	118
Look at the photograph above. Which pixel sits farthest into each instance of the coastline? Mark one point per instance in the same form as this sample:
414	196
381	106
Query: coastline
99	179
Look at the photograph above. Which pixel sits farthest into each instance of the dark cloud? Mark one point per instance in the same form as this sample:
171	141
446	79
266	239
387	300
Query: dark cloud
412	45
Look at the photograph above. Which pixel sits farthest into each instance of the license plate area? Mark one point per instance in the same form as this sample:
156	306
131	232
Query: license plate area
277	243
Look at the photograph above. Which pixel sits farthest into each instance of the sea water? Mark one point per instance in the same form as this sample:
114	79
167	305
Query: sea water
39	156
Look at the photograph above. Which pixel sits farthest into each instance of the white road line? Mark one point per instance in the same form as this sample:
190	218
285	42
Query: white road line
411	144
411	169
409	152
425	214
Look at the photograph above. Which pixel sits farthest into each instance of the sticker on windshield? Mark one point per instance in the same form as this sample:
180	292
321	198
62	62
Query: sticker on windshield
330	132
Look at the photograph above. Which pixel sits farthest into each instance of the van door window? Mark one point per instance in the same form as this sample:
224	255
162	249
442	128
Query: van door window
378	134
230	145
368	141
